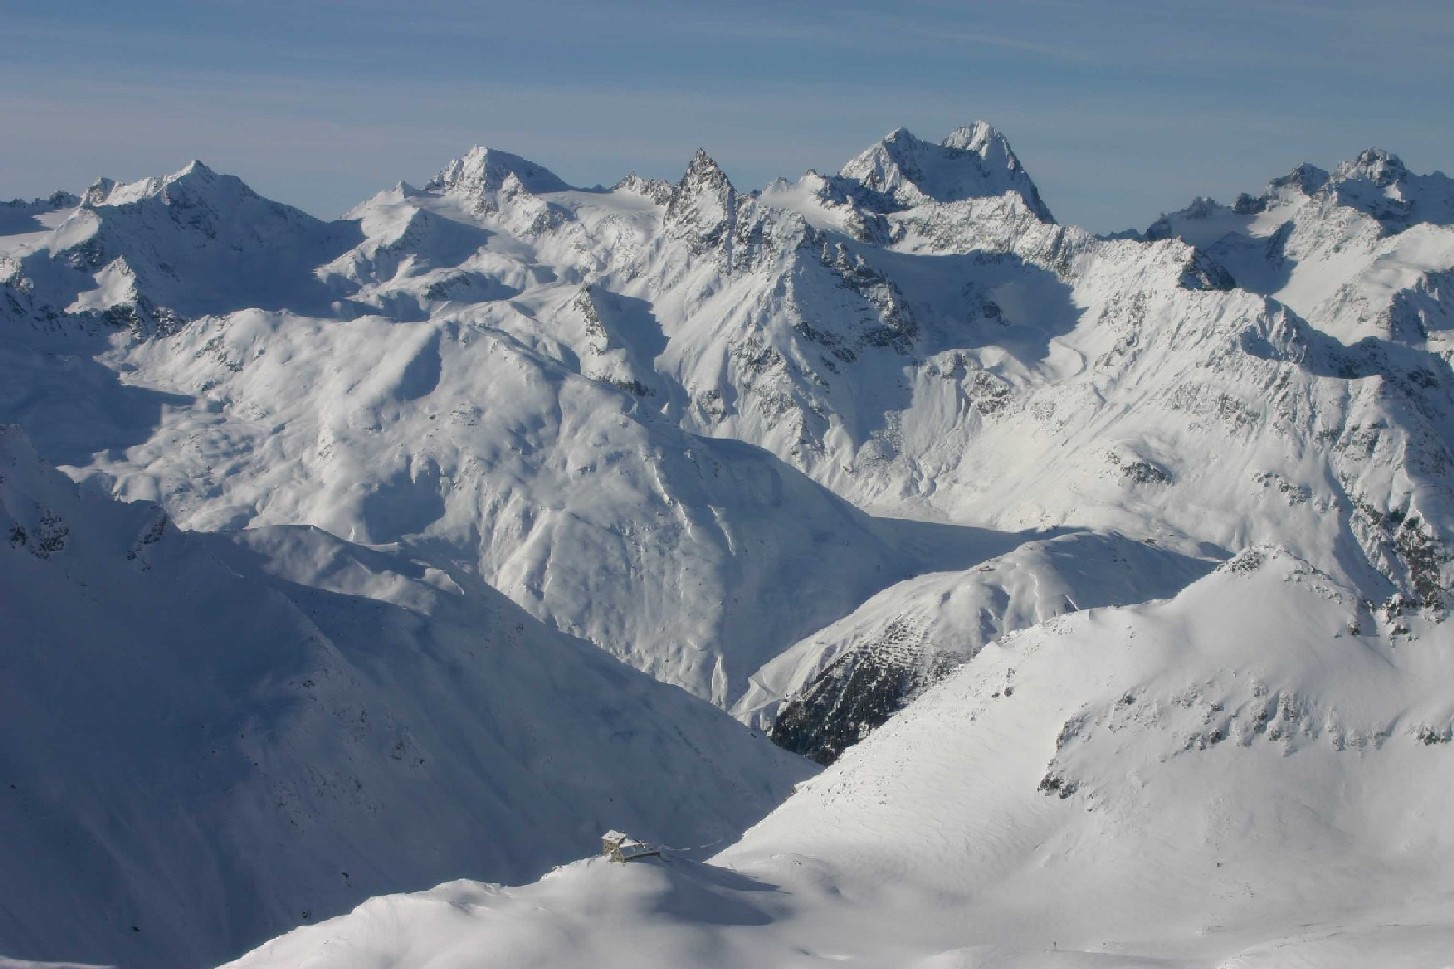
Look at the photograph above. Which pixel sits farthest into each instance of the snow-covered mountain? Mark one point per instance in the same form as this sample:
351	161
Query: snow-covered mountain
204	742
804	451
895	332
1251	774
974	161
1364	252
830	690
151	254
464	436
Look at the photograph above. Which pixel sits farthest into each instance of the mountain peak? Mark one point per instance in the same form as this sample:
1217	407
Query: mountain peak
482	171
703	180
191	183
703	170
973	137
1382	168
703	204
98	191
1378	183
196	168
974	161
197	177
657	189
1306	178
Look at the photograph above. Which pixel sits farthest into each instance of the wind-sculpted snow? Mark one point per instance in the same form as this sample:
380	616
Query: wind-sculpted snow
1246	775
203	742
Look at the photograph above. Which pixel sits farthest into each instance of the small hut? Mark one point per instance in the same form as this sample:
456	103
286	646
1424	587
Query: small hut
619	846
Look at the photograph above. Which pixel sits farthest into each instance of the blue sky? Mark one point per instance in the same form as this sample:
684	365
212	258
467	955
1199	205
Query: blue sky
1120	109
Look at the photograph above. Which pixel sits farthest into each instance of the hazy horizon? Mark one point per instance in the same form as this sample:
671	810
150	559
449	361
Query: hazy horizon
1119	112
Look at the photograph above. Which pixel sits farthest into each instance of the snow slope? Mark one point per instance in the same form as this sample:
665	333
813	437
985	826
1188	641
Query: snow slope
205	741
1246	775
831	689
24	222
487	459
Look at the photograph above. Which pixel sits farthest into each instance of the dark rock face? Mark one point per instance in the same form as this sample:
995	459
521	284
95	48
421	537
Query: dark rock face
703	206
844	704
854	696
